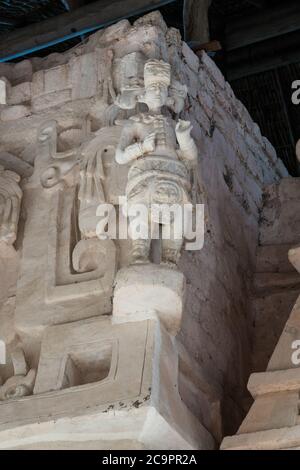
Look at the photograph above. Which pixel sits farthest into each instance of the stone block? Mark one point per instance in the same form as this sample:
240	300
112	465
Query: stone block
84	76
20	93
4	90
56	79
15	112
147	292
190	57
272	411
102	382
213	70
48	100
275	439
274	382
38	86
22	72
51	87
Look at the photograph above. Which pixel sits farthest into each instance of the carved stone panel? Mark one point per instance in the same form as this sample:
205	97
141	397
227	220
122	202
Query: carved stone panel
98	382
10	202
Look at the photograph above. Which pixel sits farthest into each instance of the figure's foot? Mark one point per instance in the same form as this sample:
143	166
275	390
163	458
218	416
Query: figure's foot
139	260
170	258
169	265
139	254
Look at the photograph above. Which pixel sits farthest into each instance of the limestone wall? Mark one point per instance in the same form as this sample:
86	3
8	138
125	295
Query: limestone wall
235	164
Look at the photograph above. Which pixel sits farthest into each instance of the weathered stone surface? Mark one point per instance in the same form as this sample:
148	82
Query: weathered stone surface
274	382
149	291
4	87
14	112
20	93
276	282
58	280
275	410
271	312
124	375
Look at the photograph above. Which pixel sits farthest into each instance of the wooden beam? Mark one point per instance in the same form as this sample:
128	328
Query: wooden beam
264	24
7	21
257	3
93	16
195	18
211	46
72	4
266	55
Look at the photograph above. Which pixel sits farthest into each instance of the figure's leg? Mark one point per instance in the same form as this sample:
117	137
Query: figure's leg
171	250
140	251
171	247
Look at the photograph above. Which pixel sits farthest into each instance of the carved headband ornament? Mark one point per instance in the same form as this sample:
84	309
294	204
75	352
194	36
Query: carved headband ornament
9	183
8	173
157	71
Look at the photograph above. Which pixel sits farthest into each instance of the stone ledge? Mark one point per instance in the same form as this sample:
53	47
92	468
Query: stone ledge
274	439
137	399
149	291
275	381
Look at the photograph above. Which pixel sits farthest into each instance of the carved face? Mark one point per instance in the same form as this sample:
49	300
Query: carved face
166	192
156	95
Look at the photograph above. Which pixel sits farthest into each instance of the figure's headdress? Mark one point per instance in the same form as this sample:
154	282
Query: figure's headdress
157	71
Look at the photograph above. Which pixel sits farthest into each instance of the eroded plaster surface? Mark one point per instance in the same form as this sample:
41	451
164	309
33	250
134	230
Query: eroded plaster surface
109	343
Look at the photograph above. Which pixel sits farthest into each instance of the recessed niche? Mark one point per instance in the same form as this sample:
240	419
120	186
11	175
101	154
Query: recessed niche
87	366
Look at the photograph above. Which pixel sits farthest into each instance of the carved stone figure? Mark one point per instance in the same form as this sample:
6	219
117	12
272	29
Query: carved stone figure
129	80
10	202
129	77
22	382
161	153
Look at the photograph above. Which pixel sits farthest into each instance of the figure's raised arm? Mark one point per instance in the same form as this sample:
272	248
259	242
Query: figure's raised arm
133	145
188	148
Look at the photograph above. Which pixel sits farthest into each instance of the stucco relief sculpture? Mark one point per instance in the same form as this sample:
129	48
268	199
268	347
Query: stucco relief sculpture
73	262
10	202
22	382
56	166
161	153
129	79
130	87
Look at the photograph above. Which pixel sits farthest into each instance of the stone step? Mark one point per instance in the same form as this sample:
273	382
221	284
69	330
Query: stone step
274	382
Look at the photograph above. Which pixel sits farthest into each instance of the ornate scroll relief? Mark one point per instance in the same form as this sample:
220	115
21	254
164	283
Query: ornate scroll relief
79	265
22	382
55	166
161	153
10	202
